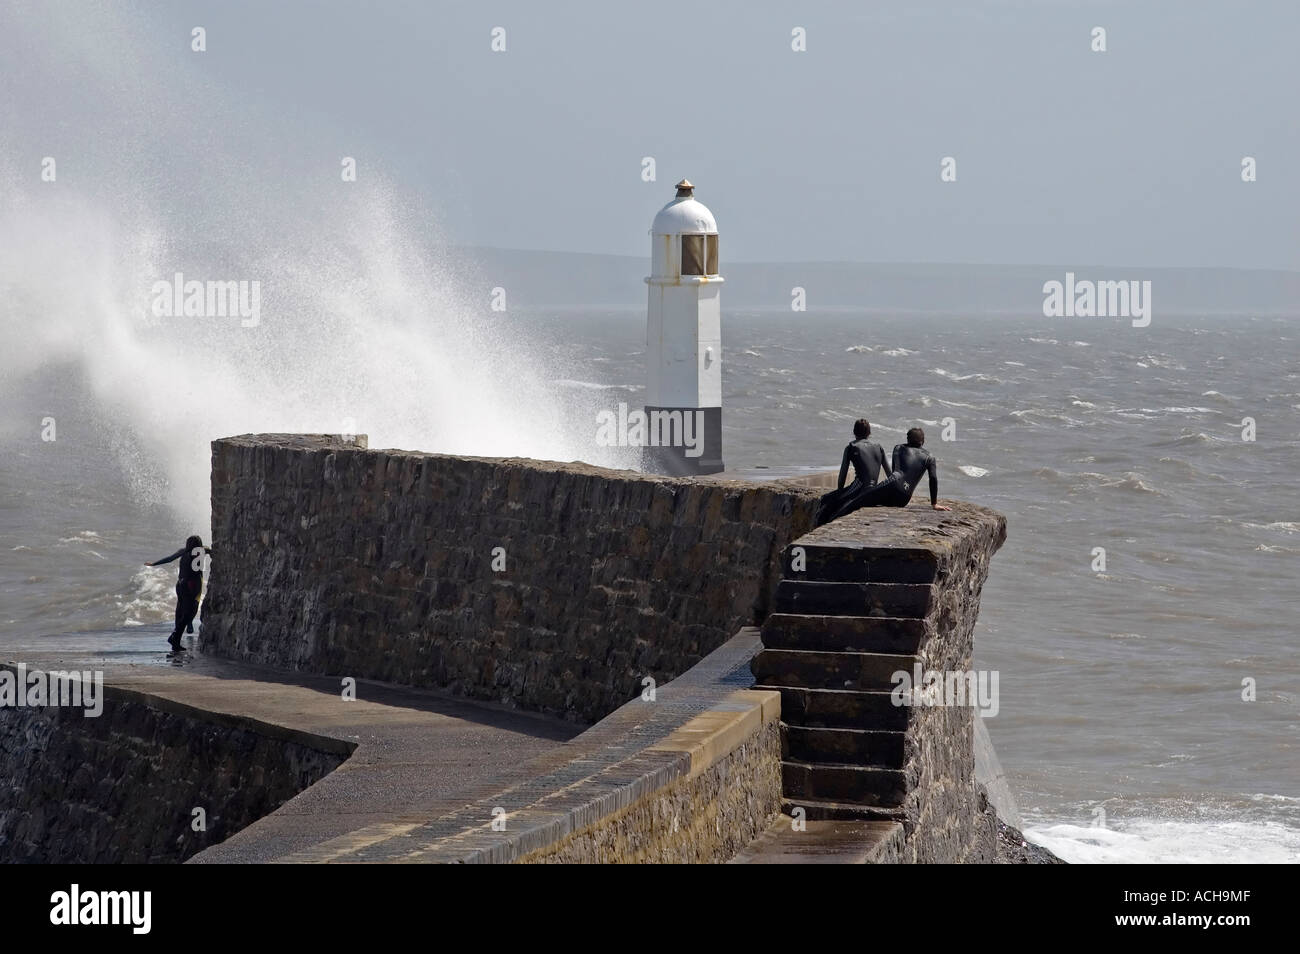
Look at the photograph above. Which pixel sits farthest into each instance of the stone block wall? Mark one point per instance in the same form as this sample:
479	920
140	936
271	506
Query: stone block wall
947	811
705	816
122	787
874	593
561	587
553	587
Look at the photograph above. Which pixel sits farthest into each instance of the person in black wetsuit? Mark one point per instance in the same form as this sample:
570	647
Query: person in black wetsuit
189	584
911	460
867	458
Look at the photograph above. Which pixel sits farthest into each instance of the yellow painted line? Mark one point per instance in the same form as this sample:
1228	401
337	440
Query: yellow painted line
715	733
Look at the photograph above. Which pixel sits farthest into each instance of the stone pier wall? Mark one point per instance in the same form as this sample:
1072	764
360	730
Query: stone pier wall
562	587
553	587
949	818
871	595
122	787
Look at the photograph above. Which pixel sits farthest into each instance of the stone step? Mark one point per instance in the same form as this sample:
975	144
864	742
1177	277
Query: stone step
839	708
860	784
861	634
909	600
847	562
818	810
874	747
837	842
816	670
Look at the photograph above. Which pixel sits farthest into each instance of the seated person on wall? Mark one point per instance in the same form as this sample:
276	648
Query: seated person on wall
867	457
911	460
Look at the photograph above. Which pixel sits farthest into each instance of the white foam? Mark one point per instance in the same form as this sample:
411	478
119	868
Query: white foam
1286	526
83	536
1171	842
589	385
974	376
153	597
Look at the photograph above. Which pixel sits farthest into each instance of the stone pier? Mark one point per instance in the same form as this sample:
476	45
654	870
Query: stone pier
730	662
873	594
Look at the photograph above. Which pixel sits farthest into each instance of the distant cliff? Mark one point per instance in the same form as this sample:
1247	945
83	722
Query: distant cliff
537	279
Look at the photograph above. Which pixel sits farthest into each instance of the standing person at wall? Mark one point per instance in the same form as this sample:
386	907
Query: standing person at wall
189	585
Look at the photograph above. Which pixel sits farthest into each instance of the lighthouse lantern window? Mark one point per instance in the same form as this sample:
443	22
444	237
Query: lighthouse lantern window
712	265
693	255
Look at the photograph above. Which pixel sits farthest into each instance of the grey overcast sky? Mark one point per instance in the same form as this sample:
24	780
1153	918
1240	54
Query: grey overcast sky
1063	155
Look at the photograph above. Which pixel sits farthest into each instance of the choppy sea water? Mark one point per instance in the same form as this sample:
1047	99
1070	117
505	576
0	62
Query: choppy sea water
1121	717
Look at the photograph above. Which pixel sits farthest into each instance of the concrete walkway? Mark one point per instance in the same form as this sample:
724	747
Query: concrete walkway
413	751
694	722
422	769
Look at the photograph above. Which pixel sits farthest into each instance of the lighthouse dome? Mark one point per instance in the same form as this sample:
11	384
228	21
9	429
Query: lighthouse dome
685	215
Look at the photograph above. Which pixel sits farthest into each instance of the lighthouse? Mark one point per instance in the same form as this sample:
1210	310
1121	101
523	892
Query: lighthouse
684	340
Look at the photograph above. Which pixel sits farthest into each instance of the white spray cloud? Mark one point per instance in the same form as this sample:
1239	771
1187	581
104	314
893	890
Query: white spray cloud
362	324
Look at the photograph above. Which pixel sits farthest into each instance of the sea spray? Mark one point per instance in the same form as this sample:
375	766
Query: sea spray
357	329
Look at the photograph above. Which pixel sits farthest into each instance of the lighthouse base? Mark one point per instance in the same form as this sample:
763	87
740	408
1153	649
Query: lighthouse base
683	441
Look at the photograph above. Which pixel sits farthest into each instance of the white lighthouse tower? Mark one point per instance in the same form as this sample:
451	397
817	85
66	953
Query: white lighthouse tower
684	340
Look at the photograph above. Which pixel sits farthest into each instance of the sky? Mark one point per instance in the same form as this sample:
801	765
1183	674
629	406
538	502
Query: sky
1128	157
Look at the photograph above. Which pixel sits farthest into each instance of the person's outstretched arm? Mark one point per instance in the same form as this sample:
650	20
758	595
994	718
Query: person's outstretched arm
933	467
175	556
884	462
844	468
